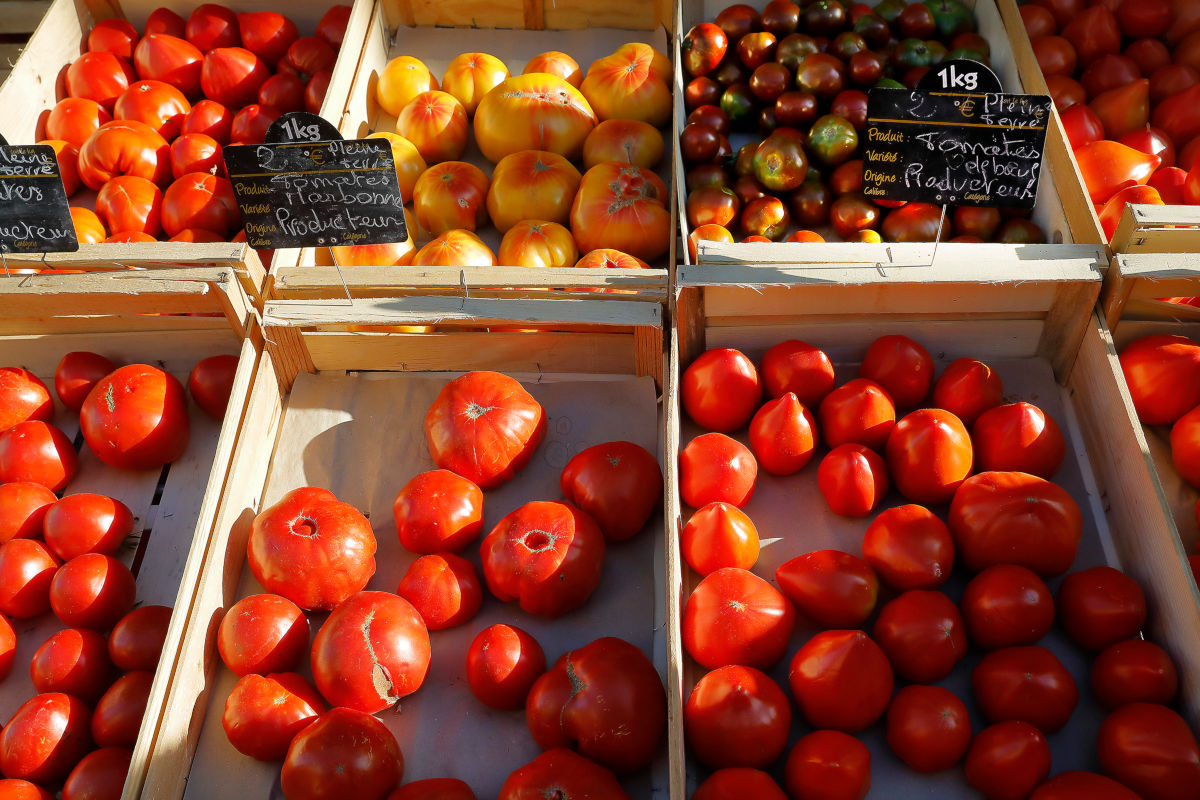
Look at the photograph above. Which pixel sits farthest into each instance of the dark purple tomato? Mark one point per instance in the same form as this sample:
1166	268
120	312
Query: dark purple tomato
822	74
810	203
794	48
769	81
851	213
851	104
846	44
866	68
703	91
796	109
738	20
825	17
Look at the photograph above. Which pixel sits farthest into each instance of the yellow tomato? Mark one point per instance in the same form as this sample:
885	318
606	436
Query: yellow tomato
472	75
552	62
455	248
402	79
451	195
660	65
533	112
707	233
409	164
531	184
537	243
437	124
605	258
397	254
626	141
625	86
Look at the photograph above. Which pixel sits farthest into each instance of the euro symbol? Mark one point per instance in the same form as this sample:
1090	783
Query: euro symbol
967	107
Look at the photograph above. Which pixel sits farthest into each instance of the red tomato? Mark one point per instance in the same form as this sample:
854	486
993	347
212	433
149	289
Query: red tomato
37	452
211	119
444	588
370	652
783	435
721	390
100	775
1007	605
76	374
45	738
619	484
263	633
284	92
200	200
267	34
250	125
1007	760
164	20
605	686
735	617
928	728
1150	749
118	715
549	556
715	468
563	772
23	397
136	641
719	535
1082	786
737	717
307	56
17	789
124	147
344	753
1163	375
26	570
263	714
901	366
196	152
502	664
1100	606
23	508
1025	683
210	26
1185	446
841	680
114	36
74	119
1018	437
860	412
73	661
136	418
829	765
211	380
170	59
99	76
87	523
232	76
909	548
968	387
315	91
8	648
733	783
312	549
156	103
331	28
1012	517
484	426
1134	671
438	511
921	632
432	788
795	366
128	203
853	479
831	588
929	455
92	591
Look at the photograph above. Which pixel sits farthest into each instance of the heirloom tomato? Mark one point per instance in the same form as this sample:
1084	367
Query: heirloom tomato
136	418
1134	671
783	435
830	588
470	76
23	397
200	200
606	258
86	523
901	366
714	467
127	237
23	508
118	714
766	217
619	484
45	738
735	617
553	62
921	632
1100	606
409	164
1006	605
909	547
712	205
210	26
564	773
67	156
264	713
622	206
531	184
1151	749
967	388
402	79
795	366
737	717
438	511
1075	785
37	452
170	59
267	34
536	243
841	680
232	76
196	152
853	480
26	571
1025	683
860	412
1110	213
721	390
1163	375
308	56
136	641
1007	760
211	119
828	764
1109	166
502	664
533	112
74	119
733	783
263	633
99	76
159	105
719	535
703	48
436	124
454	248
780	164
451	196
116	36
315	91
92	591
73	661
443	588
129	203
343	753
124	147
626	141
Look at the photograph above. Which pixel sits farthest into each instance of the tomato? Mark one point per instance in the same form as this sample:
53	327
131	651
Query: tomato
436	123
967	387
721	390
735	617
1007	605
1013	517
535	243
23	397
136	641
86	523
593	690
1100	606
555	63
200	200
928	728
1082	786
830	588
732	783
455	248
311	549
502	664
76	374
561	773
170	59
1007	760
712	205
533	112
250	125
210	26
779	161
1150	749
627	85
73	661
795	366
159	105
74	119
37	452
67	156
114	36
331	27
309	55
444	588
841	680
232	76
128	237
99	76
1134	671
210	118
783	435
618	484
264	714
909	547
283	91
470	76
719	535
164	20
451	195
409	164
622	206
714	467
1038	21
531	184
606	258
1108	166
17	789
737	717
315	91
860	411
921	632
92	591
1163	375
402	79
929	455
625	141
706	233
853	480
433	788
136	418
23	508
118	715
263	633
344	753
124	147
438	511
129	203
1185	446
1025	683
100	775
828	765
45	738
703	48
88	227
211	383
901	366
267	34
1065	92
197	235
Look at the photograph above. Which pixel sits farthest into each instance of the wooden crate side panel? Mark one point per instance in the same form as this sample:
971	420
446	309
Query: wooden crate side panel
531	14
674	589
40	353
1145	278
1157	229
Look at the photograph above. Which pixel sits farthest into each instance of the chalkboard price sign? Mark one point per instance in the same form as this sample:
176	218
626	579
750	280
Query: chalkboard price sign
317	193
956	139
34	214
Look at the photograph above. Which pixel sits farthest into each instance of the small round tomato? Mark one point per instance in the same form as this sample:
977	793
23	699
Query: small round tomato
1025	683
1007	760
23	508
502	664
735	617
605	686
118	715
901	366
737	716
23	397
438	511
211	383
1082	786
721	390
719	535
795	366
136	418
136	641
563	772
859	412
87	523
73	661
92	591
733	783
1018	437
715	468
263	633
1151	749
783	435
618	483
45	738
77	373
263	714
928	728
1007	605
853	480
909	547
831	588
1134	671
37	452
444	588
922	634
841	680
26	571
830	765
967	388
1100	606
343	753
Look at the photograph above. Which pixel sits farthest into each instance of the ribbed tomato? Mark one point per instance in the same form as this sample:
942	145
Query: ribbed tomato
455	248
130	203
195	152
625	86
436	123
535	243
402	79
626	141
210	118
116	36
451	195
533	112
159	105
74	119
283	91
232	76
470	76
88	227
210	26
171	60
719	535
99	76
267	34
250	125
124	147
200	200
67	156
556	63
531	184
640	52
623	207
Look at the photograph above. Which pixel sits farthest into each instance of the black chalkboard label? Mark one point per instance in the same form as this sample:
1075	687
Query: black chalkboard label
959	145
34	214
326	193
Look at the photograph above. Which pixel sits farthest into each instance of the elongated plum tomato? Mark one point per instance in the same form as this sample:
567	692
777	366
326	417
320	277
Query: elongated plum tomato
485	427
831	588
23	397
721	390
86	523
853	480
828	764
311	549
901	366
502	664
444	588
719	535
37	452
795	366
859	411
1163	375
263	633
343	753
1149	748
136	418
715	468
1018	437
909	547
76	374
737	716
619	484
967	388
929	455
922	634
264	713
841	680
735	617
783	435
438	511
23	508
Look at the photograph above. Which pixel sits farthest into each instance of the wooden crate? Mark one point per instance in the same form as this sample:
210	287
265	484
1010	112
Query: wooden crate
1040	333
1049	212
513	31
130	319
37	82
332	405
